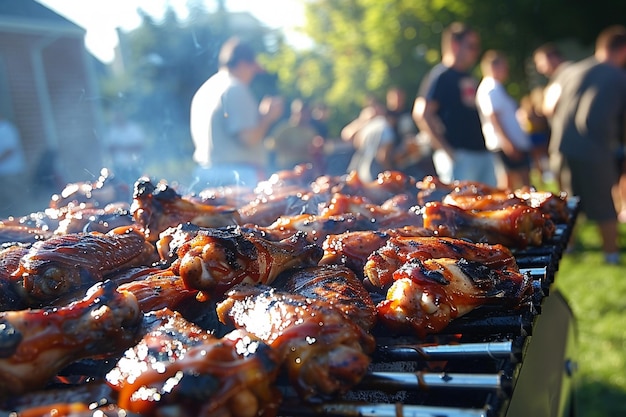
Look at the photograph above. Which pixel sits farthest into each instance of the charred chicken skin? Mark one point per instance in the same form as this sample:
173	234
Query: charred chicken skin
435	280
59	265
352	249
155	208
338	286
217	259
36	343
323	352
382	263
183	370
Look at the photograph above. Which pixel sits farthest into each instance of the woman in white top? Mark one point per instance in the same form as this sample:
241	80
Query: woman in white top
501	128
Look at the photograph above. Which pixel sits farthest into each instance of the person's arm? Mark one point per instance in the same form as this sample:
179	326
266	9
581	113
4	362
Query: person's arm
551	99
506	143
425	116
349	132
270	110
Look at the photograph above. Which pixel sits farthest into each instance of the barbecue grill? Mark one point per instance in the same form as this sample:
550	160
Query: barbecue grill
487	363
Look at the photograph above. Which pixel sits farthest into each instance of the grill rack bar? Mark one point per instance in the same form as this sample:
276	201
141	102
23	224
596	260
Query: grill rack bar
416	352
379	410
429	380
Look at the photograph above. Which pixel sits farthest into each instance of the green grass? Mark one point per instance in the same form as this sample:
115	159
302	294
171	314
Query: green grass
596	293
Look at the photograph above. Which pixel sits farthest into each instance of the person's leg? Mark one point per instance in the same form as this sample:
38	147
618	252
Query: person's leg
610	246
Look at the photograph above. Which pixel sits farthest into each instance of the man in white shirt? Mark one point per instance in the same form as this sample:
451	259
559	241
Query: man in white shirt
501	128
227	124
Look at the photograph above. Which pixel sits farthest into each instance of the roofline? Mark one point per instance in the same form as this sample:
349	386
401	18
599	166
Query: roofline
38	27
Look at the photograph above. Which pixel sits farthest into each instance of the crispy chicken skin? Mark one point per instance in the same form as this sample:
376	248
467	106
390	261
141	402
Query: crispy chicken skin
353	248
337	285
217	259
431	281
157	207
59	265
36	343
323	352
182	368
516	226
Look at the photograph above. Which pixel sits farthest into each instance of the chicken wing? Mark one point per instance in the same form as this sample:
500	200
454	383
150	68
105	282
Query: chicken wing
516	226
181	368
217	259
323	352
56	266
36	343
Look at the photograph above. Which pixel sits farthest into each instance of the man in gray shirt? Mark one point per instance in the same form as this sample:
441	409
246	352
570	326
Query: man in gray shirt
587	130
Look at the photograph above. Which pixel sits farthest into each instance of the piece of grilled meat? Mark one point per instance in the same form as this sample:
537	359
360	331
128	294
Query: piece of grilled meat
158	207
323	352
36	343
337	285
516	226
178	368
59	265
217	259
431	281
353	248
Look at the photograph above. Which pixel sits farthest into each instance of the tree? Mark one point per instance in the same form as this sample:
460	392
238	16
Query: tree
368	45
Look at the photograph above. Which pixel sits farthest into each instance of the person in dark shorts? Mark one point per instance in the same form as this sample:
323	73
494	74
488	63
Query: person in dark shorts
587	128
502	130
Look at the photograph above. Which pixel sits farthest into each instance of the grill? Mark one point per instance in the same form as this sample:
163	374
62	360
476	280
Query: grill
487	363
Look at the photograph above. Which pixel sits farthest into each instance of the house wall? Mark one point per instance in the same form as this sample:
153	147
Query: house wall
52	102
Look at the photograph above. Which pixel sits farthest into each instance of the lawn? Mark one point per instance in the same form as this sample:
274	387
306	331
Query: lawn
597	294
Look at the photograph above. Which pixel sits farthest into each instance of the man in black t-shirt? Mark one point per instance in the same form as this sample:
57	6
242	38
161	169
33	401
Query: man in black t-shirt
445	110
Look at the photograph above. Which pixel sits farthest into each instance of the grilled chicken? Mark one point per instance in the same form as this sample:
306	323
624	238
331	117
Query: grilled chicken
56	266
435	280
157	290
384	187
217	259
36	343
433	189
66	401
338	286
324	353
12	295
353	248
515	227
179	369
552	205
382	263
155	208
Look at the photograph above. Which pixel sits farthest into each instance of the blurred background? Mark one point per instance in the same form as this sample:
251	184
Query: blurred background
68	67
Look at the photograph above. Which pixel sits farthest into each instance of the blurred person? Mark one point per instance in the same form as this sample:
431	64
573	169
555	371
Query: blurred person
502	131
319	119
373	142
550	62
13	194
445	110
588	129
535	124
125	142
227	123
410	156
293	141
